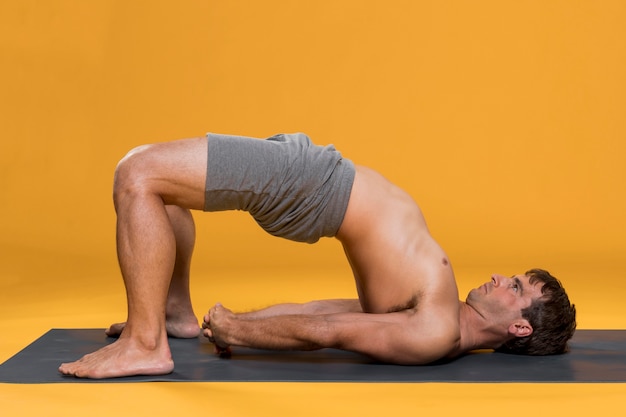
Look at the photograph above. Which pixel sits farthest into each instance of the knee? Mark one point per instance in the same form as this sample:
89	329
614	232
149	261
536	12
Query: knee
131	173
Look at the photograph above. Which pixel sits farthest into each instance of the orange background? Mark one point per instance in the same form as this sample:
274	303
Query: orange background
505	120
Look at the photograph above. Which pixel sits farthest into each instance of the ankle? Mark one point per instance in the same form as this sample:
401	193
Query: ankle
147	338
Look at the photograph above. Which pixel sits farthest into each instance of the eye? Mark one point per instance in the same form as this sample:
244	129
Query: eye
515	287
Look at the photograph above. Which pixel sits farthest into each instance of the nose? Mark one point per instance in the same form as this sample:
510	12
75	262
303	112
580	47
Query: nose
498	279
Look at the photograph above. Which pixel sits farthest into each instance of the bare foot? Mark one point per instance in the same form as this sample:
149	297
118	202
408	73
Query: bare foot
124	357
183	328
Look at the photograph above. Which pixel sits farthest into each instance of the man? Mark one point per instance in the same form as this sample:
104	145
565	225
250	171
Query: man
408	310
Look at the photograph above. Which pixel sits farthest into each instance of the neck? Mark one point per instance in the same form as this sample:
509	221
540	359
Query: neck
478	332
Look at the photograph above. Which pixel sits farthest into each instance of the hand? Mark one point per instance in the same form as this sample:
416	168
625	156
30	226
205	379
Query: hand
215	325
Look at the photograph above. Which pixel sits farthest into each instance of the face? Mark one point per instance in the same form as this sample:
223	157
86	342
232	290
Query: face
503	298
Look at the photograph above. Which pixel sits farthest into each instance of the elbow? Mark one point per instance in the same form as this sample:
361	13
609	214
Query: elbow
419	353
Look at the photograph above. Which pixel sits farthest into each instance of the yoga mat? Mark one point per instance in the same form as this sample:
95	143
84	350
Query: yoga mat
595	356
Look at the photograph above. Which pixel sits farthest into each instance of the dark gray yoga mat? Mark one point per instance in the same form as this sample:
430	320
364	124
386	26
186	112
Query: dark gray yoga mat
595	356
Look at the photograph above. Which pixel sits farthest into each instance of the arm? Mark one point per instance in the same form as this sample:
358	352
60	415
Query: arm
390	337
310	308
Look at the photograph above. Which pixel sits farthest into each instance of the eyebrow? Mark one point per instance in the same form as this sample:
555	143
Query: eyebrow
521	286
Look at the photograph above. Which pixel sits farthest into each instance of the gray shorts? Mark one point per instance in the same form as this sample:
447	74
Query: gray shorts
293	188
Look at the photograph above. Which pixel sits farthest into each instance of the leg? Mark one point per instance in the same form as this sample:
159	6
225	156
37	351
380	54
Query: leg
146	180
180	319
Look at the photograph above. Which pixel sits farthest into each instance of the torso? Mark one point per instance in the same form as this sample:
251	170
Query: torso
397	265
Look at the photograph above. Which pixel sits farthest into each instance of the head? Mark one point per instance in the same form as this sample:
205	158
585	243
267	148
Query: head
551	316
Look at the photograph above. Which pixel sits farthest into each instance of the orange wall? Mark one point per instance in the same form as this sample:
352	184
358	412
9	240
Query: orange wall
505	120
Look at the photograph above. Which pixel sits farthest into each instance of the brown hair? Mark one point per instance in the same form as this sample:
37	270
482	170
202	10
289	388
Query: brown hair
551	316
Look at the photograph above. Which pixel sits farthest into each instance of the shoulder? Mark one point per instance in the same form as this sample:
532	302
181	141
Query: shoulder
433	330
426	343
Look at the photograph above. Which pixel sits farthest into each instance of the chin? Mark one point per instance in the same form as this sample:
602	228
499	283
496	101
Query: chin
471	295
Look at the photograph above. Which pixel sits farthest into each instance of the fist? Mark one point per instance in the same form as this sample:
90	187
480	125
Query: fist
216	324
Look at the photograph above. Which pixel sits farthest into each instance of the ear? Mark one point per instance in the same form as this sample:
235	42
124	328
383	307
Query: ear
520	328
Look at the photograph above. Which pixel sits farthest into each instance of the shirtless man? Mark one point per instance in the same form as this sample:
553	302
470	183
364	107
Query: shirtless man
408	311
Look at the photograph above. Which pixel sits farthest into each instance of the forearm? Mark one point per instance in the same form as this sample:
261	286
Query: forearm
284	332
297	331
310	308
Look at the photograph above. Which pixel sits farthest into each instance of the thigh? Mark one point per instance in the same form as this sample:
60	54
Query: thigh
176	171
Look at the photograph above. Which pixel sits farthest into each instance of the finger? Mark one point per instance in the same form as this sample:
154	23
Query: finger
209	335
